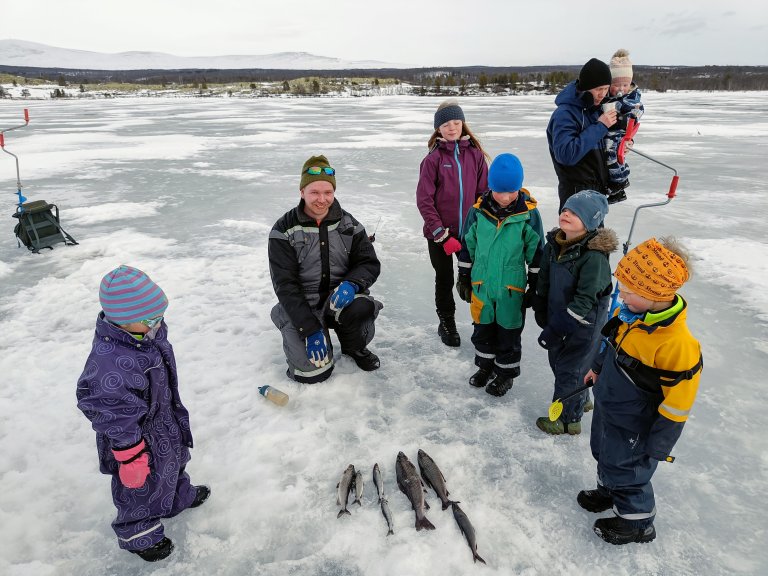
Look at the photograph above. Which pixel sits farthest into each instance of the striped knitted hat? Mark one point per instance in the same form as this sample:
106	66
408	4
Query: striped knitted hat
128	295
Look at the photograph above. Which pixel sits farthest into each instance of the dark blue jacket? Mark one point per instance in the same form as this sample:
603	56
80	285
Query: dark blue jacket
575	140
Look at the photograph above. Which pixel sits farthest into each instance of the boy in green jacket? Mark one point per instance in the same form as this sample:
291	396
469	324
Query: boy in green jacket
499	258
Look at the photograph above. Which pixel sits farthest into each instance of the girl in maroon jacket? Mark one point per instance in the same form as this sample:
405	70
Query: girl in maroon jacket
452	176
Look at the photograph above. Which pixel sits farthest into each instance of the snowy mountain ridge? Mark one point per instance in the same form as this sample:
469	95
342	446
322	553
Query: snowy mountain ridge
23	53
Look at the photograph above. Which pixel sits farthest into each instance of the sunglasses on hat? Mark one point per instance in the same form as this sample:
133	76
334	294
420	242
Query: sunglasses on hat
317	170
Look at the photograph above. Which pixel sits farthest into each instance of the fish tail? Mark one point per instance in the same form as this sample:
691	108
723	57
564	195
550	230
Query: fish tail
342	512
448	503
390	532
357	501
424	524
476	557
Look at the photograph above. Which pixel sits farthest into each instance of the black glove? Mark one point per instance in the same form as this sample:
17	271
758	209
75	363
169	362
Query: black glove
464	287
530	293
540	312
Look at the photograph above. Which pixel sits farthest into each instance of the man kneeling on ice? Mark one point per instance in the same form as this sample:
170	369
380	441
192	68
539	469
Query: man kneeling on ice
322	264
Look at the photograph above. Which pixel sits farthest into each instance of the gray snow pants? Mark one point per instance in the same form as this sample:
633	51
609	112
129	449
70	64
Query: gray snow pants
354	326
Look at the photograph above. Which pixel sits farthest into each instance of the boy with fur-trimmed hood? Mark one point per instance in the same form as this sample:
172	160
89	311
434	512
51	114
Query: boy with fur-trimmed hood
572	300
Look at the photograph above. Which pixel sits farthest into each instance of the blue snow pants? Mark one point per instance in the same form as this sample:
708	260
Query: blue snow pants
620	426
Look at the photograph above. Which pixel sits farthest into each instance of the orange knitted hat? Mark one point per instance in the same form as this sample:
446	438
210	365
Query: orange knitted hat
652	271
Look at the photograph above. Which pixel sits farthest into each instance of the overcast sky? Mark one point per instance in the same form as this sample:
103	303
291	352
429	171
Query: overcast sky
435	33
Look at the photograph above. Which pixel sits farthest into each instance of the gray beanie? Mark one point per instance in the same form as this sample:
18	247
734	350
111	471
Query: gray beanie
591	207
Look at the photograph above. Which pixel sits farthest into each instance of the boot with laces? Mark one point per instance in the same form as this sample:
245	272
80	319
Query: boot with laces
447	330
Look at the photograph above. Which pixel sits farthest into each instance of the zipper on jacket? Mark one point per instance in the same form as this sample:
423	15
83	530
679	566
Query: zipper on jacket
461	190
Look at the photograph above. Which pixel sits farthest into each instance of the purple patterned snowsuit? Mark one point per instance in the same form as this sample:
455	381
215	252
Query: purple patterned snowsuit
129	391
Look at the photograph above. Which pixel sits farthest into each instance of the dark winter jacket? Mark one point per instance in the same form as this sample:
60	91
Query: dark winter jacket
630	395
575	140
129	390
585	260
307	261
451	178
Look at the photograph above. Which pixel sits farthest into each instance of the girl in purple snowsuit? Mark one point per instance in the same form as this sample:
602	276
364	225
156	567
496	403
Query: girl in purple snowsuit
129	391
452	176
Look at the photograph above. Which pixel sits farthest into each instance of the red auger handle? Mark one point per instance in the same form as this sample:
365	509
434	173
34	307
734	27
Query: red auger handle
26	115
673	186
2	140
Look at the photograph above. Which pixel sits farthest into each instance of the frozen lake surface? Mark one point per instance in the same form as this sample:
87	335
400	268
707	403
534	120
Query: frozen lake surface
187	190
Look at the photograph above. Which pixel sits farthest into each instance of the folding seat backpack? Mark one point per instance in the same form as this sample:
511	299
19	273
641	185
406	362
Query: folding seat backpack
39	226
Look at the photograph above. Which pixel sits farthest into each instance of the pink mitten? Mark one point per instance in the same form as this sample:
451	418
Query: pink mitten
134	465
451	245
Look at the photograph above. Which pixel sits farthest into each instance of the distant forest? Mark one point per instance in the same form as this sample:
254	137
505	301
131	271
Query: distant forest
432	80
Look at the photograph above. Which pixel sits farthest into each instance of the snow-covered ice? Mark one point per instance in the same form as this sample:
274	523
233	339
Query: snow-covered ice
187	190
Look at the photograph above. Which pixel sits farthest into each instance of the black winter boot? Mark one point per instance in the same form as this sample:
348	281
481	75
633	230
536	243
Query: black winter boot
365	359
594	500
201	496
480	378
447	330
618	530
500	386
159	551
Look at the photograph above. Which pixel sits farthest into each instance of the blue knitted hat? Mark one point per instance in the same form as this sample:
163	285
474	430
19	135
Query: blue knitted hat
448	110
505	174
128	295
591	207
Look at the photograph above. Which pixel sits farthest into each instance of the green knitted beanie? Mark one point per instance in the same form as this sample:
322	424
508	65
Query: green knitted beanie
316	162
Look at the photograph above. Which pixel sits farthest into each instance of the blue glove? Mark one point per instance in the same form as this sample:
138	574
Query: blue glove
317	349
343	295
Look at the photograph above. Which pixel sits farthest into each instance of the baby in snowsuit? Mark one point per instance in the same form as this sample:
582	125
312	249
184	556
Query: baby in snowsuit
129	391
625	97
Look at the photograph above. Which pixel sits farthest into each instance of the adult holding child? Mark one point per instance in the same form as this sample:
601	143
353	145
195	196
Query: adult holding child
452	176
322	263
576	131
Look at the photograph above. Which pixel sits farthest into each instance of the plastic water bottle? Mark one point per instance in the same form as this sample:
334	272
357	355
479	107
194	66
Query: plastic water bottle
274	395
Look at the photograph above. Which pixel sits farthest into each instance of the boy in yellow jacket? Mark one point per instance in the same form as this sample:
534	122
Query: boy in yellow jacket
646	379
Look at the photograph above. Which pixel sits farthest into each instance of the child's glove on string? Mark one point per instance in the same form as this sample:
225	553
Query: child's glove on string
343	295
317	349
134	465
